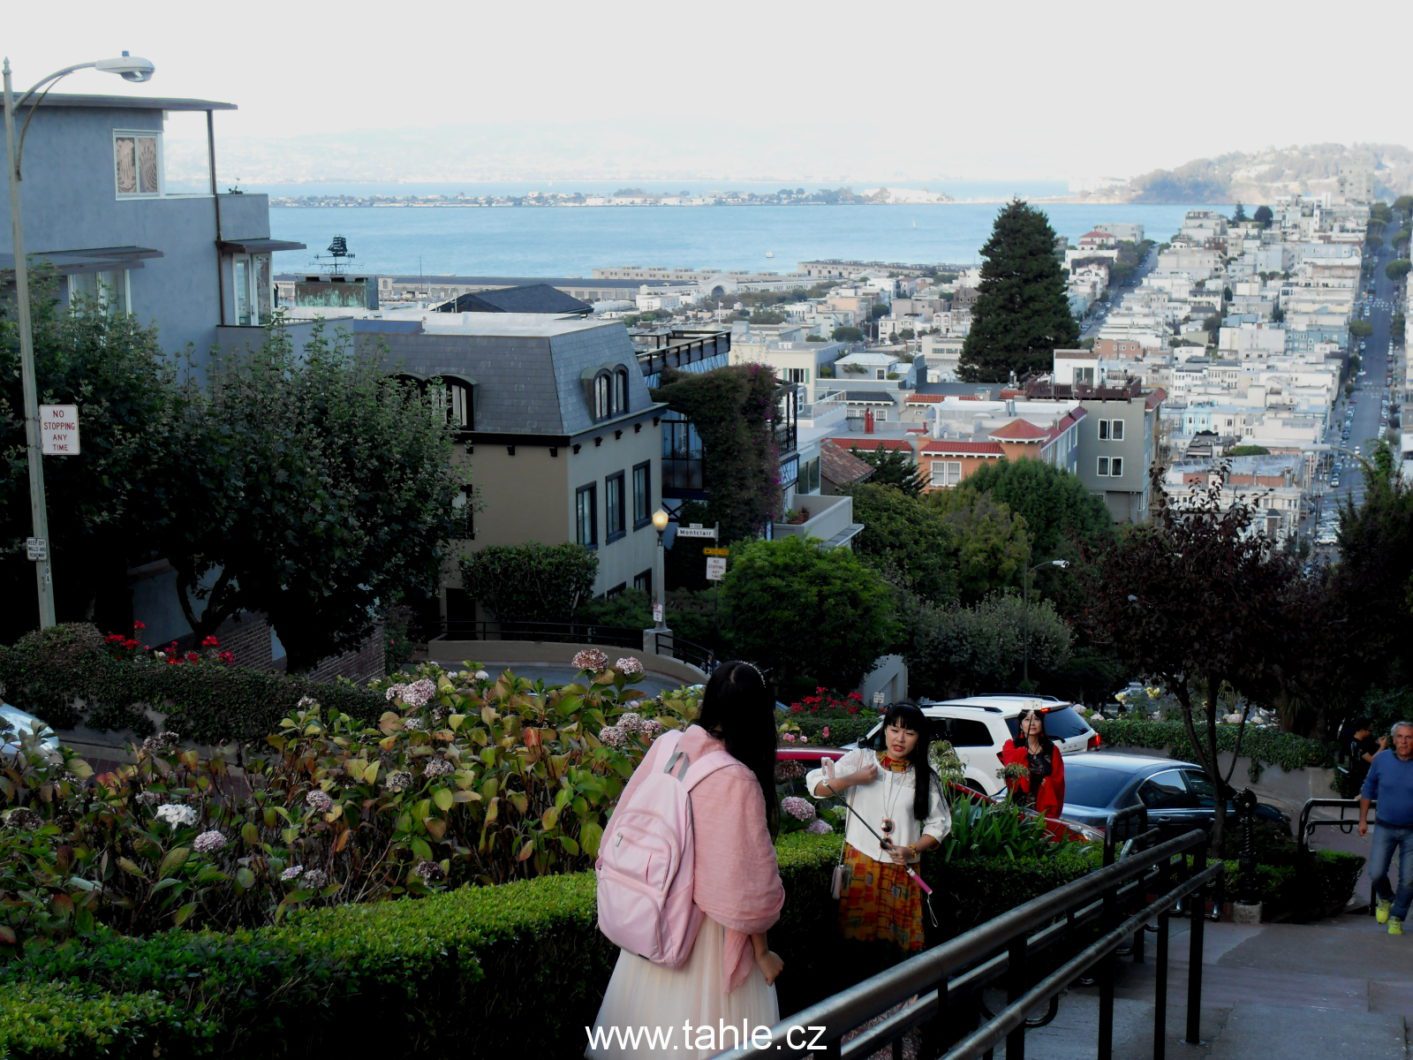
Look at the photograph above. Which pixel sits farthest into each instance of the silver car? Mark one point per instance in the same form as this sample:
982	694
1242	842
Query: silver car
16	723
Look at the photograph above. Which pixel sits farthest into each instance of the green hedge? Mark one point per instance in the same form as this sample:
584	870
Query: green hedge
1313	887
842	731
46	672
482	971
1264	746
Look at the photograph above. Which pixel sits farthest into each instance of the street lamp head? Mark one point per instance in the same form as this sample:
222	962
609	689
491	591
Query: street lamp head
128	67
1061	563
660	520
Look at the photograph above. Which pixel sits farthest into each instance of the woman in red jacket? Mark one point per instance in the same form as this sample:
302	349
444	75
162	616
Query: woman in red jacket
1041	780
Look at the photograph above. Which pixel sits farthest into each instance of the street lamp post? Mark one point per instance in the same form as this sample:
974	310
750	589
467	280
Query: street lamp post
1025	597
130	69
660	521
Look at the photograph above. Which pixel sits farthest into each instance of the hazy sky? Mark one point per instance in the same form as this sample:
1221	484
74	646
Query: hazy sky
768	88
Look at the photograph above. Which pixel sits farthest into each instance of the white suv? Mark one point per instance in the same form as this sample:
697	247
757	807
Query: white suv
979	726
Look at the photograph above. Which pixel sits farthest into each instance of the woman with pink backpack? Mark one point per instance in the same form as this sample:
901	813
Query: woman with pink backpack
688	883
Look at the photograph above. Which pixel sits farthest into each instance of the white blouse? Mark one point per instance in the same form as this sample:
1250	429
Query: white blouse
888	795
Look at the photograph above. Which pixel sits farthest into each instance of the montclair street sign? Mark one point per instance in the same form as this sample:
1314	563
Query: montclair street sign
58	430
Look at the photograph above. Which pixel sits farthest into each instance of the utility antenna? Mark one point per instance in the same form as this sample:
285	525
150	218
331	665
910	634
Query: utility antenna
338	255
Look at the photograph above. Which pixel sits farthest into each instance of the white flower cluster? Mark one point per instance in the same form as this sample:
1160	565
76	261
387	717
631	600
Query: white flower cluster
292	873
319	801
438	767
590	660
613	736
628	666
176	814
414	694
400	780
209	842
798	808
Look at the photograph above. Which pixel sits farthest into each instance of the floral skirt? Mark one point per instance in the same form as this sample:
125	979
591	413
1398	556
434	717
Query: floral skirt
881	904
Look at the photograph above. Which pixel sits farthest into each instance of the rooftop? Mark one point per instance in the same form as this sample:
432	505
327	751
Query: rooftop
68	99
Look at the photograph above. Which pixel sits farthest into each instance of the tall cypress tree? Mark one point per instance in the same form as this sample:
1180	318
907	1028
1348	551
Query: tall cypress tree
1022	312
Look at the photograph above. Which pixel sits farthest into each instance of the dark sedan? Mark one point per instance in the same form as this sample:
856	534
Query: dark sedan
1178	796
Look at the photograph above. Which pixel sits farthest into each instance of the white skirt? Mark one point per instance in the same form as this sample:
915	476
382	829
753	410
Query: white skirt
650	1011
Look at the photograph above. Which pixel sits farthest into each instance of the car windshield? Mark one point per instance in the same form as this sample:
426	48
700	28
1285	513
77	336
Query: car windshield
1062	723
1092	787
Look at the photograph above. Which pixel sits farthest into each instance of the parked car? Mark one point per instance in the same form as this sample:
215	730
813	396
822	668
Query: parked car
1178	796
15	723
979	726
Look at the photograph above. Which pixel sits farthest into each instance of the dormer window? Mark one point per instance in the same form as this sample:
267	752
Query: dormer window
137	164
620	391
603	396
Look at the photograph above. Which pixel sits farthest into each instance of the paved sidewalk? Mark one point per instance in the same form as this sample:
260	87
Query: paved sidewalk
1342	988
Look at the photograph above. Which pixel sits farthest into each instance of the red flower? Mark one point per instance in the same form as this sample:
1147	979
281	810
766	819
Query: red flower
139	625
130	644
173	660
856	695
113	638
210	642
227	657
192	656
820	690
853	709
796	708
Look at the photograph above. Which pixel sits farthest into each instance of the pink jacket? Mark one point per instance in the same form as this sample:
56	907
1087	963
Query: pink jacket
737	881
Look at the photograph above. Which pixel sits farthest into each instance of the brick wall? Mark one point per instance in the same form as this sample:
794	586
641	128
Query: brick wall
247	636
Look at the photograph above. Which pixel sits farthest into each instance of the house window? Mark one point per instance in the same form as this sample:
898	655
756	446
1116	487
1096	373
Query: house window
683	466
603	396
1111	466
464	506
613	507
946	473
457	396
642	494
254	292
107	291
797	375
586	516
809	477
1111	430
620	391
643	581
137	164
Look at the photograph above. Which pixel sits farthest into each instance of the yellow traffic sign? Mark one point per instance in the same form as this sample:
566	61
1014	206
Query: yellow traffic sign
716	552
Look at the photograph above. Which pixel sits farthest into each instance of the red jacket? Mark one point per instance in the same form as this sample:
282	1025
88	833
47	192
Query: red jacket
1050	799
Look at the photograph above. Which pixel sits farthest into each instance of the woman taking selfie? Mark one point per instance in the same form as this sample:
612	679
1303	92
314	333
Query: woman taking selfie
896	794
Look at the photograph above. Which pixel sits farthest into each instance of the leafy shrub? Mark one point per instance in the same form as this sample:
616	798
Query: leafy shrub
530	582
1264	746
469	779
1315	886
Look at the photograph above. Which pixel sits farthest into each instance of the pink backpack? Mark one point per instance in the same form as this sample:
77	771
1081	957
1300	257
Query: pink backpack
646	859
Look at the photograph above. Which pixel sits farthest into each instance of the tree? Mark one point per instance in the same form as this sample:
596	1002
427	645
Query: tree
1061	516
733	410
987	542
905	541
879	310
1404	205
1397	269
1263	216
326	494
1239	217
892	467
847	333
959	651
107	505
531	582
1022	312
813	616
1196	599
1361	329
1248	450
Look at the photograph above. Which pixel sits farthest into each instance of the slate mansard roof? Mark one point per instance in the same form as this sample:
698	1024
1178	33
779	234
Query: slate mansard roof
532	374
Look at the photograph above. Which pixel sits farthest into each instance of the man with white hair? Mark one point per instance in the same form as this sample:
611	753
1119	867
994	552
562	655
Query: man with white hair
1390	782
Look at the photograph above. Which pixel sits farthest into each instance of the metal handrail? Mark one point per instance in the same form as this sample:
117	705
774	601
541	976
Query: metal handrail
555	632
936	974
1306	828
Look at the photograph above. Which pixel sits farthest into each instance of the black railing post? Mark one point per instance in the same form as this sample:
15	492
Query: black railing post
1246	862
1108	920
1198	913
1015	987
1160	990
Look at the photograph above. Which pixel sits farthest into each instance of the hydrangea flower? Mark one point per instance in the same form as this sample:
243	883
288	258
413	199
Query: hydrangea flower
630	722
613	737
413	725
319	801
161	743
590	660
24	818
651	728
481	675
314	879
628	666
292	873
305	702
438	767
429	872
798	808
148	798
176	814
209	842
399	780
819	827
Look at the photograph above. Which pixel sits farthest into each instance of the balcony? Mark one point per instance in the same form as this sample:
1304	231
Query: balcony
830	520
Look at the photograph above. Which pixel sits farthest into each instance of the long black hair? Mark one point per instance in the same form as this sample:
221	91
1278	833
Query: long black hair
909	715
1047	745
738	707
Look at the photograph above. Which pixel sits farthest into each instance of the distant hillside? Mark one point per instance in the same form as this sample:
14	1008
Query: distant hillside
1258	177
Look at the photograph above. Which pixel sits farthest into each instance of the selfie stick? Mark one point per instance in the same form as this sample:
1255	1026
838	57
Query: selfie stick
882	842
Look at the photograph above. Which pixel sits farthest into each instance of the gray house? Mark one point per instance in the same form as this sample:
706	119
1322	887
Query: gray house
96	207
